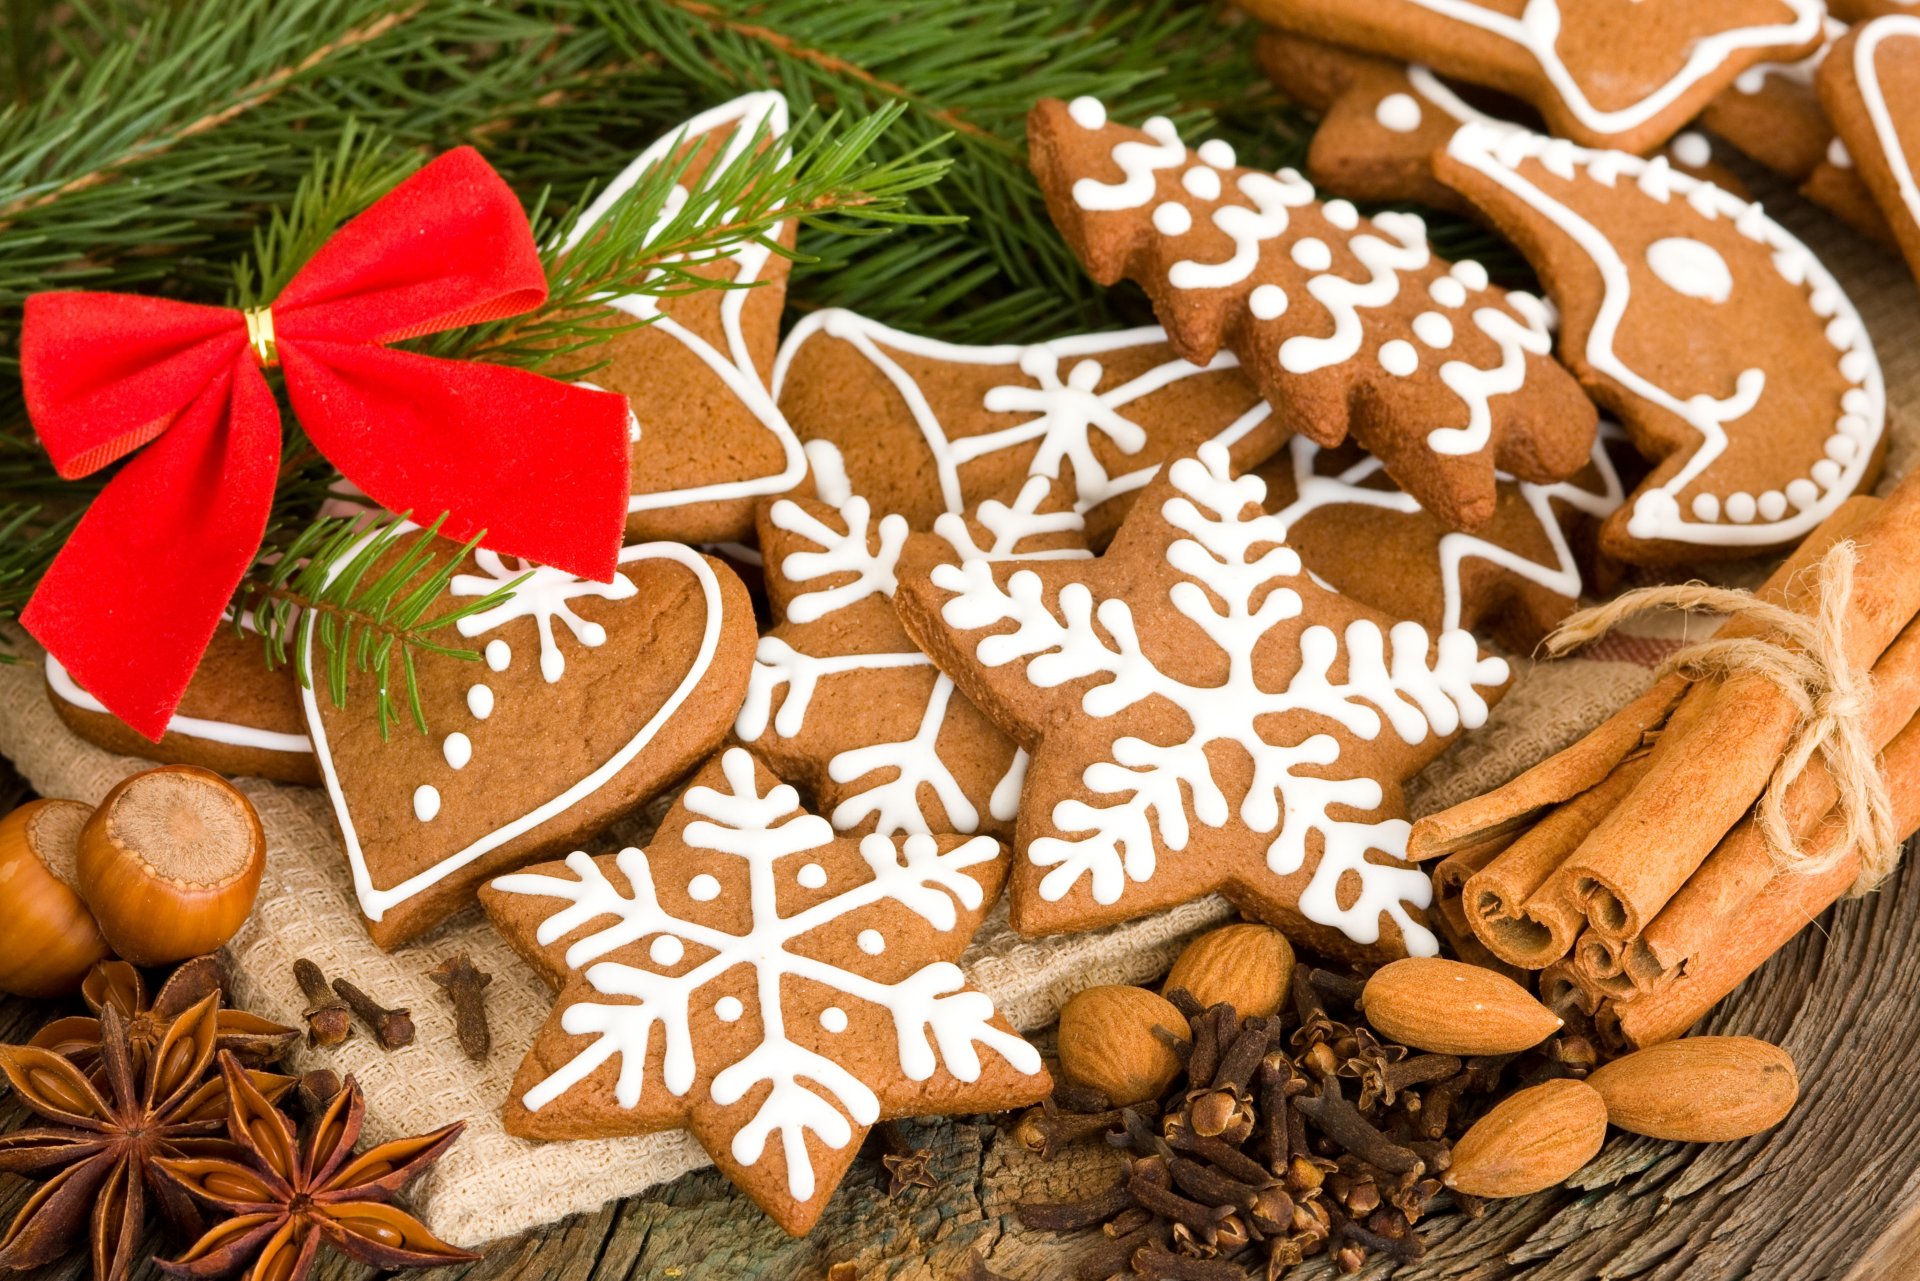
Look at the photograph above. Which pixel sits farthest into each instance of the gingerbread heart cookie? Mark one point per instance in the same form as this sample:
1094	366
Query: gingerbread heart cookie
1203	716
1870	86
708	440
1515	578
1731	356
923	428
591	698
775	989
1608	73
1344	324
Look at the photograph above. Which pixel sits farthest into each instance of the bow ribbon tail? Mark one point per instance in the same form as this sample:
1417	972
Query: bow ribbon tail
131	601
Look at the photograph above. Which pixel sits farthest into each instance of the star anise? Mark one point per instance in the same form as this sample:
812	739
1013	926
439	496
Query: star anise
110	1128
116	984
285	1197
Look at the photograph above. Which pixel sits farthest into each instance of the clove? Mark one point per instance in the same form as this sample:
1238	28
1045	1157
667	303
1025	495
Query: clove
1157	1264
465	987
1340	1121
315	1090
391	1028
329	1022
905	1164
1046	1129
1071	1216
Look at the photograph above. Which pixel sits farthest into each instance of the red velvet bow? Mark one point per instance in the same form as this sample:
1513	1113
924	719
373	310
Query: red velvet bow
539	466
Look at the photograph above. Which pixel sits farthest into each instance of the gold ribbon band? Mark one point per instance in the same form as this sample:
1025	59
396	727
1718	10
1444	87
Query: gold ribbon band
260	336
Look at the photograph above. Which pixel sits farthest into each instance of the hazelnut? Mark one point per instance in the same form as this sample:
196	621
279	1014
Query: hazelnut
52	939
1107	1041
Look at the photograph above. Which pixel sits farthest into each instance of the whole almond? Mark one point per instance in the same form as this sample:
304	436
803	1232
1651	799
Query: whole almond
1530	1141
1107	1041
1448	1007
1703	1089
1247	966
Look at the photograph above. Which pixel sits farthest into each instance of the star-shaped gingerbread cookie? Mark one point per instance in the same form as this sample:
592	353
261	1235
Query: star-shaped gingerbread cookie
1202	716
771	986
1345	324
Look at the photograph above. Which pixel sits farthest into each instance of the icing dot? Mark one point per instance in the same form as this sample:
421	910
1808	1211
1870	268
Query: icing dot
1855	401
1448	292
1692	149
499	654
1471	274
1826	473
834	1019
812	876
1312	253
480	701
666	950
1853	425
1172	219
1088	113
1268	302
426	802
1842	449
592	635
1341	214
1706	507
1838	156
1202	182
1773	505
1399	358
1217	152
1803	493
728	1009
1854	366
872	942
458	749
1691	267
1741	507
1398	112
1433	329
703	888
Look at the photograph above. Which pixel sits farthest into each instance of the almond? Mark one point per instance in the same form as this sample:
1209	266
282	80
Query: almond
1448	1007
1247	966
1530	1141
1703	1089
1107	1041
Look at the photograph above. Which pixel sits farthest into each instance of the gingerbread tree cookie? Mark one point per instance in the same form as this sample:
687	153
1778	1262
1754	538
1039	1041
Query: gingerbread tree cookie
1345	324
1733	359
1203	716
1870	85
775	989
1609	73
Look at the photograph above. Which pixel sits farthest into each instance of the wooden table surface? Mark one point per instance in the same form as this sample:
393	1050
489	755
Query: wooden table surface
1833	1193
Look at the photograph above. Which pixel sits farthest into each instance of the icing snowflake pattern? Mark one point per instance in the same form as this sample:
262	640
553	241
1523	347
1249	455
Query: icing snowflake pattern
541	594
1234	562
937	1021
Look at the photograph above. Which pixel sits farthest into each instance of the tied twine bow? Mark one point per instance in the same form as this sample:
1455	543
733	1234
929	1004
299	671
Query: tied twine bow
540	467
1804	656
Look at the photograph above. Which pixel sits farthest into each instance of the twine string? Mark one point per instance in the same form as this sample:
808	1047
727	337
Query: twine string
1803	656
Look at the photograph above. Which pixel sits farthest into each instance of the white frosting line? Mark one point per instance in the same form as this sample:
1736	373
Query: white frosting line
61	682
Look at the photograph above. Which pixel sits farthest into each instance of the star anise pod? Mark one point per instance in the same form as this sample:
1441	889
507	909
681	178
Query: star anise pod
110	1128
285	1197
116	984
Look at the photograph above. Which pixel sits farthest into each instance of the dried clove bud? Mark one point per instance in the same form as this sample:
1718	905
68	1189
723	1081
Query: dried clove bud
1070	1216
391	1028
905	1164
329	1022
465	987
1340	1121
1156	1264
1045	1129
316	1089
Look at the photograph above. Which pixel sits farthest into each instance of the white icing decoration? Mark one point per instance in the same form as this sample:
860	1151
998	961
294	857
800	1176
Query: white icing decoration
1172	219
1433	329
872	942
1137	161
68	690
834	1019
458	750
1267	302
1202	182
1088	113
1691	267
1398	113
1837	154
374	901
1218	153
703	888
829	467
666	950
542	597
1448	292
846	553
728	1009
499	654
426	802
1399	358
1312	253
1691	149
1886	129
1234	566
1342	214
937	1020
1800	74
812	877
763	114
1657	513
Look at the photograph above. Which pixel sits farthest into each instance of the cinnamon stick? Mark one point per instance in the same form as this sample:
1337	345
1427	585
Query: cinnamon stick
1450	877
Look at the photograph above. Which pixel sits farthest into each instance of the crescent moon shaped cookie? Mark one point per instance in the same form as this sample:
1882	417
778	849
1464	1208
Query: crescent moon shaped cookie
708	440
589	700
1871	88
1345	324
1733	359
773	987
1607	73
1204	717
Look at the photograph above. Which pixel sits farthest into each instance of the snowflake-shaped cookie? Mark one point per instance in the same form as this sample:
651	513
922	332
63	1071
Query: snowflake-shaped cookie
1203	716
772	987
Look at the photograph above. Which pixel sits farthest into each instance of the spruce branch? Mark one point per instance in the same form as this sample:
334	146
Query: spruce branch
30	537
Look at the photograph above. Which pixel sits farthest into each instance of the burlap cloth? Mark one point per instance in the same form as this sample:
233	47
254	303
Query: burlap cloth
491	1185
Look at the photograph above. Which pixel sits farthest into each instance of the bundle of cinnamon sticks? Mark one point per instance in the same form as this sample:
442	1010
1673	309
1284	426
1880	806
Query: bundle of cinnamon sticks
1631	869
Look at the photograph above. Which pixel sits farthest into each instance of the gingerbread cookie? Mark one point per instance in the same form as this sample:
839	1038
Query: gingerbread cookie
1345	324
775	989
1836	186
1861	10
1733	359
708	440
1382	121
924	428
590	699
1203	716
1608	73
1515	578
238	716
1870	86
